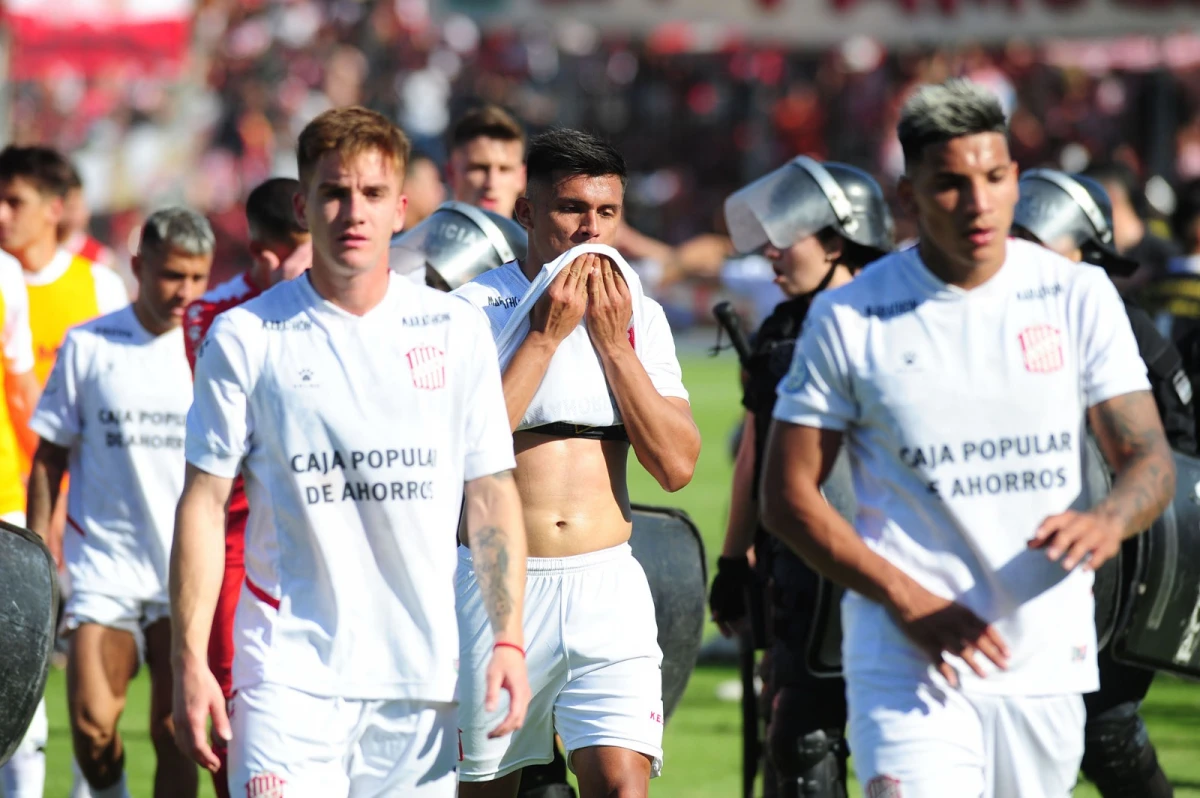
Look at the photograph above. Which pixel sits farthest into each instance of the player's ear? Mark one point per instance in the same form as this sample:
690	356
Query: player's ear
300	206
135	265
524	212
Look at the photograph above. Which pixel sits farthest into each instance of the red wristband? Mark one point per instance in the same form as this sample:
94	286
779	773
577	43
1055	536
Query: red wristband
509	645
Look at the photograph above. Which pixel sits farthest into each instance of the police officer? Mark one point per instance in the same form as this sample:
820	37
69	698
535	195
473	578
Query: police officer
455	244
1071	215
818	224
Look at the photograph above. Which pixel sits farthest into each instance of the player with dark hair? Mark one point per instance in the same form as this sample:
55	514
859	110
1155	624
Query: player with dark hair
589	371
486	166
959	374
73	227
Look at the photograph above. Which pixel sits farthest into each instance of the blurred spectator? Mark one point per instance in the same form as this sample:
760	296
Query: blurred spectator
487	160
423	187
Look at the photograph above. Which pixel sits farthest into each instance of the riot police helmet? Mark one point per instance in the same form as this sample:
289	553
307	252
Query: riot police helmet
1070	211
457	243
804	197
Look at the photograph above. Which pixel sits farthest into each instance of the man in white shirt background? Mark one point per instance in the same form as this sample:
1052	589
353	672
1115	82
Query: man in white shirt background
360	409
959	374
112	414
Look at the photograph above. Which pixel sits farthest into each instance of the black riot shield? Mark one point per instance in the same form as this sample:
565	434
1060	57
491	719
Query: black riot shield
824	656
669	548
28	608
1160	627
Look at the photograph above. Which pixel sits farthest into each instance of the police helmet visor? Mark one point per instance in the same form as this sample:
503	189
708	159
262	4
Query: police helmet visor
781	208
459	241
1060	214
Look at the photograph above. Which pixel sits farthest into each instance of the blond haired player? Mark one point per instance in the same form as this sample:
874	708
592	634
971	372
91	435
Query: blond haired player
361	410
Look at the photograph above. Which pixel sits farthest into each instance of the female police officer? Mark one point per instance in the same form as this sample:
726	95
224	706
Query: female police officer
1072	215
818	224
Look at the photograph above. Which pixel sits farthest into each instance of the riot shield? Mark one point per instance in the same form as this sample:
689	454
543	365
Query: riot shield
28	608
824	654
669	548
1160	628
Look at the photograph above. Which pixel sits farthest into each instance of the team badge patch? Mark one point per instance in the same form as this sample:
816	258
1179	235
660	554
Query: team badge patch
265	785
428	366
797	376
1041	347
883	787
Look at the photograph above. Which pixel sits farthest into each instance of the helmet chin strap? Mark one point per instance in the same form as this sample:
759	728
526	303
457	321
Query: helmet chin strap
821	286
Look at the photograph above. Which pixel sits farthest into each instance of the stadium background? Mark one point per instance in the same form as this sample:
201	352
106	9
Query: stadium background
196	101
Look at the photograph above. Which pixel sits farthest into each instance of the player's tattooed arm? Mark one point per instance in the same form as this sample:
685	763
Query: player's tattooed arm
496	536
1131	437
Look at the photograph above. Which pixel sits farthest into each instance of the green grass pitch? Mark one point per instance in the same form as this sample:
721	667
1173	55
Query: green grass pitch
702	743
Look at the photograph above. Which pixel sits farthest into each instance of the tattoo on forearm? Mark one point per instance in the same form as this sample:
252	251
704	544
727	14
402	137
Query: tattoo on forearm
1147	472
489	550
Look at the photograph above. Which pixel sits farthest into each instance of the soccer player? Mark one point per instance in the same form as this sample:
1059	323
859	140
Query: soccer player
424	188
281	249
487	160
360	408
594	655
959	374
64	289
113	415
24	775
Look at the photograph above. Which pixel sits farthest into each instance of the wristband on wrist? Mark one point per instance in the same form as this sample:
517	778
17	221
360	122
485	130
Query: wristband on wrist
514	646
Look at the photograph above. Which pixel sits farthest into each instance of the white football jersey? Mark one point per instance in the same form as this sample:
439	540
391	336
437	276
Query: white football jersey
118	398
964	413
355	435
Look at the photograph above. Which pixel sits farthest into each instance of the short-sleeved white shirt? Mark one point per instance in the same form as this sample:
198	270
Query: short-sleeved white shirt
118	399
355	435
964	413
498	292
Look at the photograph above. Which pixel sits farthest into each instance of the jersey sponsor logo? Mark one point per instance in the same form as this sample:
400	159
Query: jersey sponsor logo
265	785
1041	348
883	787
428	367
113	332
656	717
425	320
1041	292
287	325
124	438
891	310
503	301
324	462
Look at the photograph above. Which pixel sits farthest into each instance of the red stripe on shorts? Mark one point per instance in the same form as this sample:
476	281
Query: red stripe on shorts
262	595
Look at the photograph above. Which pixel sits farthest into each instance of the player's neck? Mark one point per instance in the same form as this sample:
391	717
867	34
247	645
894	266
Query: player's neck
37	255
965	276
356	292
146	319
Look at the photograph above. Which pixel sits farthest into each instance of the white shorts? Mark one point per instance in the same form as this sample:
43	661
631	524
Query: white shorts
128	615
935	742
338	747
594	664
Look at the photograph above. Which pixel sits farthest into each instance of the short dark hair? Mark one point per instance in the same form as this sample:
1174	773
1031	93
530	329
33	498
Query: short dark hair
48	169
1185	221
565	152
488	121
939	112
270	213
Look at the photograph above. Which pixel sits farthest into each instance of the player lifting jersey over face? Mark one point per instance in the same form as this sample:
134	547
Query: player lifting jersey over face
360	409
959	374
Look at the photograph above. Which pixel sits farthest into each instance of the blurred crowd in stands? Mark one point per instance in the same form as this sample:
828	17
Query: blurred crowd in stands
692	125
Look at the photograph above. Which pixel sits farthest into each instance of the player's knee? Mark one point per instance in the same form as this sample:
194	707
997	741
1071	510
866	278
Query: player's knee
94	728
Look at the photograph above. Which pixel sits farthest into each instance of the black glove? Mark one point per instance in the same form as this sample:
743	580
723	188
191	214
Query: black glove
727	598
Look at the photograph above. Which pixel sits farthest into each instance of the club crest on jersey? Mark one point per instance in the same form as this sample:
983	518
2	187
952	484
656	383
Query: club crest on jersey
265	785
1041	348
428	367
883	787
